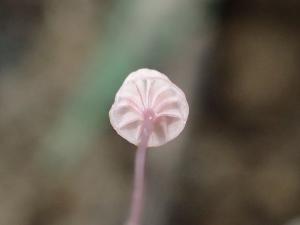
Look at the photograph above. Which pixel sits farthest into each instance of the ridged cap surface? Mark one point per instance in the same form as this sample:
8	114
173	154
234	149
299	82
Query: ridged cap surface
149	90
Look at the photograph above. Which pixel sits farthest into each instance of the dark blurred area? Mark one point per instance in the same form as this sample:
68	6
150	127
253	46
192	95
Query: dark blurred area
238	160
18	22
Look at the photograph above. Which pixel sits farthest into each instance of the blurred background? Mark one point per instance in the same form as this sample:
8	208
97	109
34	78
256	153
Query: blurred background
237	161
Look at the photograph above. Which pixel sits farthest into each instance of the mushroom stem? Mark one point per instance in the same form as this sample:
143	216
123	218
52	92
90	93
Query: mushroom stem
137	201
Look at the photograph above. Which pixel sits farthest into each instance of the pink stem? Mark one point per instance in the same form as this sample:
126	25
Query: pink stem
139	174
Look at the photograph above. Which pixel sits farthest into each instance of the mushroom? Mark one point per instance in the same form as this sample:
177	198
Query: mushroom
149	111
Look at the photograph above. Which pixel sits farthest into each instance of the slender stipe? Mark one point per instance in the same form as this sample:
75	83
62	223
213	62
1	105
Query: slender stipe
137	201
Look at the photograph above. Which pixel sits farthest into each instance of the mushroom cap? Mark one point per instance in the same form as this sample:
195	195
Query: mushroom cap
149	90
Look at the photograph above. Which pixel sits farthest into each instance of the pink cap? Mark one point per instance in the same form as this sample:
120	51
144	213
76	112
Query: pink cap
149	90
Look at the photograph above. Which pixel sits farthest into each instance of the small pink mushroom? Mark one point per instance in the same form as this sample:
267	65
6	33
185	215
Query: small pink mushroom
149	111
